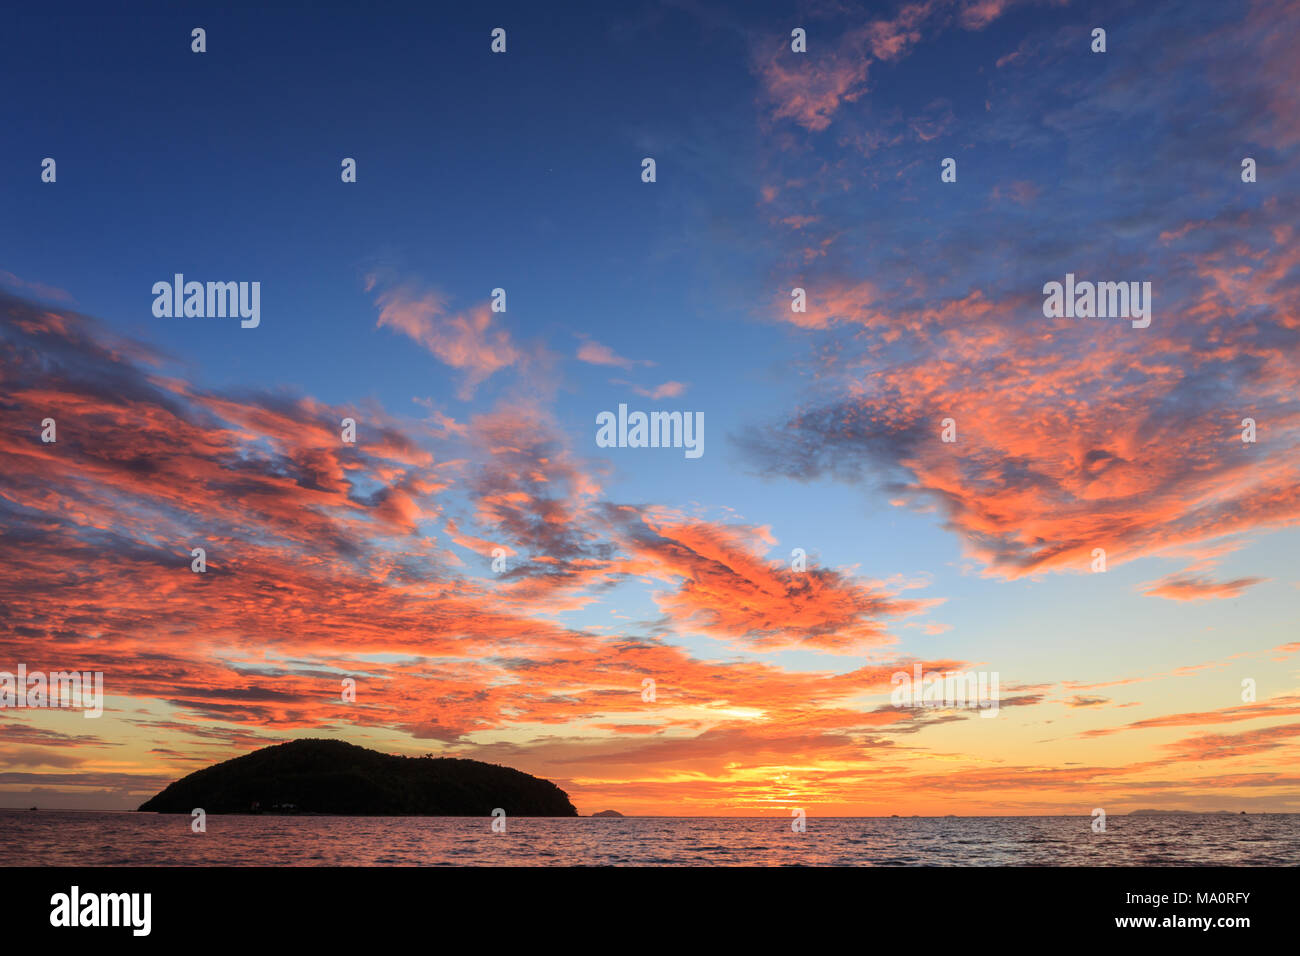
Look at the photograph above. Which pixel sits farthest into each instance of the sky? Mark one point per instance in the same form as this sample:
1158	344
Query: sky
659	633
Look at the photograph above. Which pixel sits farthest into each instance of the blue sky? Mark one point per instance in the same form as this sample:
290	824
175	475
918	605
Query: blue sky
774	170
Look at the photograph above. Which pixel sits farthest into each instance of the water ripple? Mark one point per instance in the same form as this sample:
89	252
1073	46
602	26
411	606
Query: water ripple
48	838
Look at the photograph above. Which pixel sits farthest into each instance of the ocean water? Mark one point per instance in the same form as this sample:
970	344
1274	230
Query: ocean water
52	838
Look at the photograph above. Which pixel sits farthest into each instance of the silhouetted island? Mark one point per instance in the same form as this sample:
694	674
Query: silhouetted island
333	777
607	813
1170	813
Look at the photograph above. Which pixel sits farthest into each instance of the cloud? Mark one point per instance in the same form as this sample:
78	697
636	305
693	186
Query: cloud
1071	434
1229	746
809	89
665	390
1183	588
324	562
1019	191
1283	706
469	341
724	588
594	353
38	289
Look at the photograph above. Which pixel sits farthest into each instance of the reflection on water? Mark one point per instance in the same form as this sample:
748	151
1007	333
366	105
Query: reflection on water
134	839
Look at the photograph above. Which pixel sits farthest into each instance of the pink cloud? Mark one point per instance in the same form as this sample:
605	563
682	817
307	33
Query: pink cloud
666	390
594	353
468	341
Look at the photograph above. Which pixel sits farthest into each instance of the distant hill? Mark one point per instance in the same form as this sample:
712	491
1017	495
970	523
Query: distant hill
333	777
607	813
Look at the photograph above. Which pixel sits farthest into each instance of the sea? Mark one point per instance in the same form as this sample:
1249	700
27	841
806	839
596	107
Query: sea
92	838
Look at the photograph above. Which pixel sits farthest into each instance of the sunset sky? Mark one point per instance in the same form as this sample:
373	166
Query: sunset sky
476	429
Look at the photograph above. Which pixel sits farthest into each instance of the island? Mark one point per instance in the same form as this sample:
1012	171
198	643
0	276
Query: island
607	813
315	776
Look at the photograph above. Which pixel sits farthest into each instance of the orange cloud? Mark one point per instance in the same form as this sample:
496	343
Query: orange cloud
1182	588
468	341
